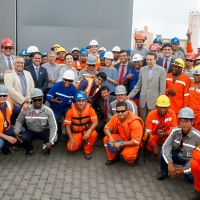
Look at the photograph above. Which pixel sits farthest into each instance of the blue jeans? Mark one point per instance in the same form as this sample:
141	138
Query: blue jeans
5	143
59	113
176	160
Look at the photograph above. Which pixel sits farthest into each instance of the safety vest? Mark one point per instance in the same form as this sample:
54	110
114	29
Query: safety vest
60	63
9	110
89	87
80	122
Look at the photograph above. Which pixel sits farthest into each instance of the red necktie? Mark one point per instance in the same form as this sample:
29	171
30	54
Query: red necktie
165	65
105	109
121	75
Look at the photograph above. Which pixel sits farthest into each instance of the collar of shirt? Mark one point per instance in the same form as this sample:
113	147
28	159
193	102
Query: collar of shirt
3	107
6	57
93	71
107	100
18	72
36	67
168	59
151	68
124	64
31	108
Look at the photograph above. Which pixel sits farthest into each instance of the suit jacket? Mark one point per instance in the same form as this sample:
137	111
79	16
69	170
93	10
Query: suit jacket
42	81
12	82
150	89
3	67
160	63
100	114
28	62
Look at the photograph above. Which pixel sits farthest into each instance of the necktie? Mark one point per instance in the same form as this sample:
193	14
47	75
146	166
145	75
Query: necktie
105	109
37	72
9	64
121	75
165	65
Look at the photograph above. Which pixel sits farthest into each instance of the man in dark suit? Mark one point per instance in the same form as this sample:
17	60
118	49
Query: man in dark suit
39	73
103	106
166	60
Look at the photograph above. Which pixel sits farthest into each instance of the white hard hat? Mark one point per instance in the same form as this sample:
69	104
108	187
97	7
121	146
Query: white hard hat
93	42
75	49
108	54
69	74
32	49
116	49
102	49
137	57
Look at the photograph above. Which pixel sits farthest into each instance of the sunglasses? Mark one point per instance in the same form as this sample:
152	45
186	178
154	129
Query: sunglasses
37	100
10	48
120	111
67	80
188	60
91	65
3	95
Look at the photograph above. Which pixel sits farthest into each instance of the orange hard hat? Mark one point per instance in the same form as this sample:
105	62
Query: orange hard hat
7	42
140	36
189	56
154	47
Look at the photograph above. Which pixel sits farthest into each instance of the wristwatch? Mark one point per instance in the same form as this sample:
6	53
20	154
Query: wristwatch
122	144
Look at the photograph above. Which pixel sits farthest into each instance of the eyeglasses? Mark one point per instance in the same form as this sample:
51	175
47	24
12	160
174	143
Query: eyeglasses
101	80
10	48
3	95
67	80
19	63
185	121
188	60
91	65
37	100
121	111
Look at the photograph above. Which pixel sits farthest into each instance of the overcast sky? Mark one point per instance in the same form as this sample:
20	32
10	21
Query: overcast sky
169	18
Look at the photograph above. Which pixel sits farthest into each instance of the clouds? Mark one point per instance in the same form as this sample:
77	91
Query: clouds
168	18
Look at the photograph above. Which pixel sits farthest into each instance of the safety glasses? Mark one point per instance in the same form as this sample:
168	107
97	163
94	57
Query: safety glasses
3	95
67	80
10	48
37	100
91	65
121	111
188	60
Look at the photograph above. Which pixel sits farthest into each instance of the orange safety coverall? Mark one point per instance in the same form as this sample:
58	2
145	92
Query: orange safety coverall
194	104
130	129
195	167
90	116
154	123
181	87
79	65
61	63
189	49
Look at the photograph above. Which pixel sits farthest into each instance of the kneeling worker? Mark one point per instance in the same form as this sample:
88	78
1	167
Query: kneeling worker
160	123
80	122
40	122
126	127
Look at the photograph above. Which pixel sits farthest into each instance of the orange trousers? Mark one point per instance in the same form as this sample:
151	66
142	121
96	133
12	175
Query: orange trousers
155	141
129	153
78	137
197	122
195	167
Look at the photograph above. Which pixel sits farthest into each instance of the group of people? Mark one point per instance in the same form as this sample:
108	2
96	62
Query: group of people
129	98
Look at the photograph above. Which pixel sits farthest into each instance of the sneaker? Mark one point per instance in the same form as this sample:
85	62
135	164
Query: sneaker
88	156
111	162
5	151
161	175
29	153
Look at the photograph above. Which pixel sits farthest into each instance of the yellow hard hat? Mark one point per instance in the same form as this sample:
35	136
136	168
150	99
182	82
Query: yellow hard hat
61	49
179	62
196	70
163	101
56	45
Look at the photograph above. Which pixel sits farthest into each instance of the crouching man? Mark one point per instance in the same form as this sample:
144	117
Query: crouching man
40	123
80	122
178	148
123	132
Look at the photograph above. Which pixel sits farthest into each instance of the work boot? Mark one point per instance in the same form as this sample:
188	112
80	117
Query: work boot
161	175
29	153
88	156
5	151
135	163
195	195
111	162
46	152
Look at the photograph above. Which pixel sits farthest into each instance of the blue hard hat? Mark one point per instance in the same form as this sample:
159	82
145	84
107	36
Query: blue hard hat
129	51
44	54
101	55
175	40
88	47
80	95
23	53
83	51
157	40
111	148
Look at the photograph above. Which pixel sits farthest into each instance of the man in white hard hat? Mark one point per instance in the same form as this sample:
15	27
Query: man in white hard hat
94	51
115	52
31	50
75	54
102	49
61	95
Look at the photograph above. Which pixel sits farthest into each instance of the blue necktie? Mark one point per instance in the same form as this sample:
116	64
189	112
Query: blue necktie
37	72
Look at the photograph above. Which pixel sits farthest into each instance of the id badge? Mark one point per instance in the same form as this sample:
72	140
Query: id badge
5	124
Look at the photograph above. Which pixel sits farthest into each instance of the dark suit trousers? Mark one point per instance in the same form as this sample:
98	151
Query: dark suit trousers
100	127
144	112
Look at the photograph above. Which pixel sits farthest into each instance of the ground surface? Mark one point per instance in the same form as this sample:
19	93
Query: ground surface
68	176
